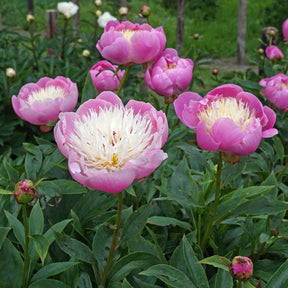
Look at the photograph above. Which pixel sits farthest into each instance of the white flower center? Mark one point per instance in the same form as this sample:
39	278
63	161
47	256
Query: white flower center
109	139
227	108
51	92
128	34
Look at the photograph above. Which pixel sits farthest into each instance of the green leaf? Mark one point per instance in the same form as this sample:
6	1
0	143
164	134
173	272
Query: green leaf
268	69
11	266
18	228
41	245
6	192
126	284
280	278
133	261
169	275
48	283
70	186
58	227
216	262
3	234
36	220
89	90
223	279
84	281
52	270
165	221
196	271
74	248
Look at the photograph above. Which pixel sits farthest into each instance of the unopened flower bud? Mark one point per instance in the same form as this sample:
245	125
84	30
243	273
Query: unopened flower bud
86	53
98	3
30	18
24	191
145	11
215	72
123	11
241	268
10	72
67	15
260	51
272	33
98	13
196	36
80	40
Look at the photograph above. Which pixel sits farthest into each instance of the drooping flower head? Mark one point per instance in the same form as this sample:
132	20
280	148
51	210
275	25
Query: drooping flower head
109	145
104	18
241	268
104	77
169	75
227	119
276	90
68	9
285	29
40	103
274	53
126	43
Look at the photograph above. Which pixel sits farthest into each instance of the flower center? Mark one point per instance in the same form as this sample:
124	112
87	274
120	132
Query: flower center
50	92
112	137
128	34
171	65
227	108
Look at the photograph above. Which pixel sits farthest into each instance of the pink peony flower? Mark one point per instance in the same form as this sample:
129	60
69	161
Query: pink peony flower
285	29
40	103
169	75
241	268
227	119
276	90
274	53
109	145
126	43
104	78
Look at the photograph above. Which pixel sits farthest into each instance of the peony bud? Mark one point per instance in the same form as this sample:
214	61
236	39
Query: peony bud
98	3
241	268
24	191
30	18
10	72
215	72
98	13
86	53
196	36
123	11
272	33
260	51
145	11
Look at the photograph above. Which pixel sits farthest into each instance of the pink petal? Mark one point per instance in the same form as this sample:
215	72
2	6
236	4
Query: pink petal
204	139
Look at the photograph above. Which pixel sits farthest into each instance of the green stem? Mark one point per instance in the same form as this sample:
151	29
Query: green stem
166	105
214	206
114	240
282	172
123	80
239	284
26	256
64	37
33	44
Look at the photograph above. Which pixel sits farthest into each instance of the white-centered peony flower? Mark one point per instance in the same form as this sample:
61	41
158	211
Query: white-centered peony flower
68	9
105	18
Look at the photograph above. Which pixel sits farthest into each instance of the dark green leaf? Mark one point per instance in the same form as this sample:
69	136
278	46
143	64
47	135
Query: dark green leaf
41	245
165	221
223	279
216	262
280	278
48	283
18	228
36	220
89	91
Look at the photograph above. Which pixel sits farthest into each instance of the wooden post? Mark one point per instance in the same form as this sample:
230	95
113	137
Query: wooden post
180	24
241	35
51	27
76	20
30	5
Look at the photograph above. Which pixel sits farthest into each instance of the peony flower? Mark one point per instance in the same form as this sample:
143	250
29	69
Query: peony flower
274	53
169	75
285	29
40	103
276	90
241	268
109	145
104	18
68	9
126	43
104	78
227	119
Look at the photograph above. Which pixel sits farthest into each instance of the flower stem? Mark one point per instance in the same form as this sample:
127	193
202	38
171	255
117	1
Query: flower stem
26	256
64	37
214	206
114	239
123	80
282	172
31	25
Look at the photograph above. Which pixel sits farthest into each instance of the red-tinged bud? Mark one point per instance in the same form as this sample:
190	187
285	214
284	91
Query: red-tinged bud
24	191
215	72
145	11
196	36
241	268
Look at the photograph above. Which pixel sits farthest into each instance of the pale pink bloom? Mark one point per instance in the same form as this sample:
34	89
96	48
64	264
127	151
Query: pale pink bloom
40	103
276	90
274	53
169	75
285	29
104	77
109	145
241	268
126	43
227	119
